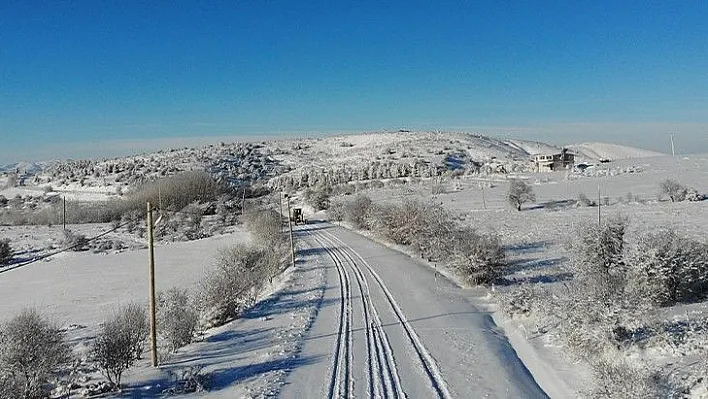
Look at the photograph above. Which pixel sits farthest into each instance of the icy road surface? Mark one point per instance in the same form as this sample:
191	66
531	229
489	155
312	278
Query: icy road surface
389	326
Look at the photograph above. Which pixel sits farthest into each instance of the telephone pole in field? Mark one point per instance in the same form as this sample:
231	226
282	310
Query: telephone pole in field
153	316
673	152
290	225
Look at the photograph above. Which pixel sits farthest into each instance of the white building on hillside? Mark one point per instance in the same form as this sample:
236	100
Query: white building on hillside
551	162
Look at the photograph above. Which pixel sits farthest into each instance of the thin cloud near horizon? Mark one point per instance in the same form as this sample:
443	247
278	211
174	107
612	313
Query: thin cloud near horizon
652	136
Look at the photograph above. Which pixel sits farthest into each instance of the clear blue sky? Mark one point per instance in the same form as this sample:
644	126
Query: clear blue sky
75	76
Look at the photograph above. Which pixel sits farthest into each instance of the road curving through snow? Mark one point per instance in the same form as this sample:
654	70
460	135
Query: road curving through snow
412	333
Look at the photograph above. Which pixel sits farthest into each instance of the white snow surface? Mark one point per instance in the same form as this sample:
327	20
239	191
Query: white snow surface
82	288
90	180
610	151
407	331
443	339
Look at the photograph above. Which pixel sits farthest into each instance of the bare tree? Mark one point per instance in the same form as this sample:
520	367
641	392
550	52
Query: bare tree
675	190
520	193
31	350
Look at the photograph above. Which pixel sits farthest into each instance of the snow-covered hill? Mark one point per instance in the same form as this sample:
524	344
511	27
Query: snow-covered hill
296	163
22	167
253	355
596	151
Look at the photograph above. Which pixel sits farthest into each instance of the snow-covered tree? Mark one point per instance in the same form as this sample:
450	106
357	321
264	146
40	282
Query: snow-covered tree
520	193
176	318
675	190
32	349
115	348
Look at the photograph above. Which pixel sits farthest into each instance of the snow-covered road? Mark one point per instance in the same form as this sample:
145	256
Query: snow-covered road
390	326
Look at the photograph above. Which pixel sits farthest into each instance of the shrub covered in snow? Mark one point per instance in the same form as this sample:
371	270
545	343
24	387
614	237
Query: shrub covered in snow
240	271
673	267
5	252
32	349
134	319
478	258
400	223
318	197
693	195
117	345
266	228
192	379
358	211
74	241
176	192
177	321
336	211
583	200
233	284
429	230
617	283
597	256
622	379
675	190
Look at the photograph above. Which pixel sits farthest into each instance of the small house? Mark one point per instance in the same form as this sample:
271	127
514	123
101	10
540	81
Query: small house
550	162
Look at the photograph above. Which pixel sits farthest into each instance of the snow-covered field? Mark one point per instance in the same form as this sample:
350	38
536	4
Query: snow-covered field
274	348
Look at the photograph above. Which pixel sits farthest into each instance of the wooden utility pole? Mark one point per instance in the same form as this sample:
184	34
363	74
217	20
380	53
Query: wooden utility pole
484	201
153	317
280	199
290	226
64	217
673	153
243	202
598	205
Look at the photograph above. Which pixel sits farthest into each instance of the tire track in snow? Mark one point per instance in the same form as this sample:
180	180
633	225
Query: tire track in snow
341	381
429	364
382	372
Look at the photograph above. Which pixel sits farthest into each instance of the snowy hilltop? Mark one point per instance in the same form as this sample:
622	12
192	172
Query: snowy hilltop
305	162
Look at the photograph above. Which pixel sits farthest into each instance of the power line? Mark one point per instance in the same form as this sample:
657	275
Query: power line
66	249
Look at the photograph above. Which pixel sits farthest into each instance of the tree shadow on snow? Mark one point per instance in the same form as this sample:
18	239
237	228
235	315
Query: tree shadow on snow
526	264
535	265
308	228
285	305
218	378
222	345
226	377
554	205
311	251
528	247
397	323
540	279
